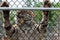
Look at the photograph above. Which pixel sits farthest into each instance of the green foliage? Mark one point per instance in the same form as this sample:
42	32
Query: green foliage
53	18
56	4
28	3
1	17
38	15
12	15
53	15
38	4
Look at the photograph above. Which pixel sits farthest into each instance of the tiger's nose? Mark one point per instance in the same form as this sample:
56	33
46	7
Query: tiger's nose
21	21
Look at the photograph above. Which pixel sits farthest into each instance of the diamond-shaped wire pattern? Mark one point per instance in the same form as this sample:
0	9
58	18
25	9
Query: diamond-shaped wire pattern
22	3
53	32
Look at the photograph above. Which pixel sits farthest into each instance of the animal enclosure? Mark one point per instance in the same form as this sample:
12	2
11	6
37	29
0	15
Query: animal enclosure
49	18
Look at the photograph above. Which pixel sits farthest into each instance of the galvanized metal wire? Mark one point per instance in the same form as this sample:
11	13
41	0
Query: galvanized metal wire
28	8
53	32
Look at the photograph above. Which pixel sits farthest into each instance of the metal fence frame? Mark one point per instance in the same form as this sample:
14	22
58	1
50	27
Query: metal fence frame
28	8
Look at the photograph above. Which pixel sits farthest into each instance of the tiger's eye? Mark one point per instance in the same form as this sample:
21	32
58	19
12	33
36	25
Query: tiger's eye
20	16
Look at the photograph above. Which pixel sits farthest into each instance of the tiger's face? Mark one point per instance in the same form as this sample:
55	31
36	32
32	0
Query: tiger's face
24	17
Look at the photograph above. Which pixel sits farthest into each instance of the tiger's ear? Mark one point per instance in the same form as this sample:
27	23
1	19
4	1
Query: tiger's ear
18	11
31	13
4	4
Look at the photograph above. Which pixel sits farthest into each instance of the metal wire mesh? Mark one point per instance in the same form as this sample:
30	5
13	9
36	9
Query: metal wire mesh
23	3
53	30
30	3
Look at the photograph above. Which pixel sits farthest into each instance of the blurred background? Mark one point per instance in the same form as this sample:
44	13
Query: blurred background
53	29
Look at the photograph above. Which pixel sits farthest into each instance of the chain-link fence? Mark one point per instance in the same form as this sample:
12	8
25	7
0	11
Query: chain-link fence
30	3
53	29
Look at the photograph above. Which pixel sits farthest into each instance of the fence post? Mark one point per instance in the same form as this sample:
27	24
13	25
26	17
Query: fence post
6	21
44	21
